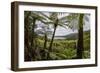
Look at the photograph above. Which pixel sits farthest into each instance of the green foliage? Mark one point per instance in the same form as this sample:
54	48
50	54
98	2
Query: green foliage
65	49
61	49
86	54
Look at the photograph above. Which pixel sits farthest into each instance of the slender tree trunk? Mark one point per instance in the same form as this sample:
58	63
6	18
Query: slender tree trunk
33	40
27	47
45	42
33	34
44	53
80	48
50	47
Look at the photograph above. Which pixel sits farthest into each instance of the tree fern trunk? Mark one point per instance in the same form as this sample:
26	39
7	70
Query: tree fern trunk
27	47
45	42
33	33
33	39
44	53
50	47
80	48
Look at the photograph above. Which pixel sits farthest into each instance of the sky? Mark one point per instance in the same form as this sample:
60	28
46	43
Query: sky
60	31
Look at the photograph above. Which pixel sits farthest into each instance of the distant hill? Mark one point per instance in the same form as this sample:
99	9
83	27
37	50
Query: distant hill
72	36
